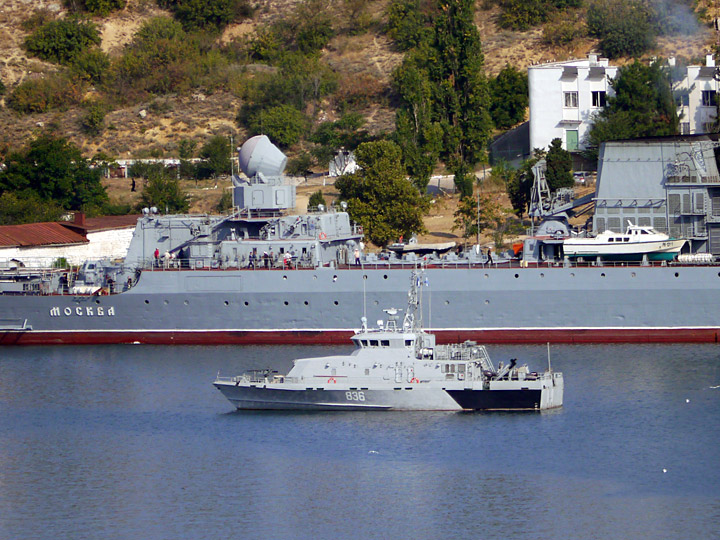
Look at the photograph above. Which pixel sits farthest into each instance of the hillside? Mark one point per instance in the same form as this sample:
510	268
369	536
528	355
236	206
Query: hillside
155	126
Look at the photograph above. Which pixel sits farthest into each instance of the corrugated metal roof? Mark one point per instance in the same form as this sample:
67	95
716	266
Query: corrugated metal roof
38	234
104	223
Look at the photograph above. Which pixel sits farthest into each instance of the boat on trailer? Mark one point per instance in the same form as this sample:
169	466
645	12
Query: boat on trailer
398	366
636	244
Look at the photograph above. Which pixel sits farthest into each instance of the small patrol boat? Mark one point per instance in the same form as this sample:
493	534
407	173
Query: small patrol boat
399	367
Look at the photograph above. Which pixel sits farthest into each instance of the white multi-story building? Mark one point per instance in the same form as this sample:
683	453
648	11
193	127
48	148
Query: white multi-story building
564	96
697	94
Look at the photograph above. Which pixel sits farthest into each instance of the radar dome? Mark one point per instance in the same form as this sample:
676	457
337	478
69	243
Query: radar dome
259	155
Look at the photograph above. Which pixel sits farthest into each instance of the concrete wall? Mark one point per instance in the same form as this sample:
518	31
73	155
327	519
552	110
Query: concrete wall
111	244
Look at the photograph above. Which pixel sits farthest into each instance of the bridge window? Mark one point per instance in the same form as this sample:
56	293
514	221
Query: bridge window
373	342
385	343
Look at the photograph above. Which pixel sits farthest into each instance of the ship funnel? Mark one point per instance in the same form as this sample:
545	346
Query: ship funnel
259	156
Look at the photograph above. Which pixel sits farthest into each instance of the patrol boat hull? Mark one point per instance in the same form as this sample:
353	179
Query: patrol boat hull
405	398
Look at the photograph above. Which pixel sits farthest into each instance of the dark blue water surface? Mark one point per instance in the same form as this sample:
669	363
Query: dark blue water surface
135	442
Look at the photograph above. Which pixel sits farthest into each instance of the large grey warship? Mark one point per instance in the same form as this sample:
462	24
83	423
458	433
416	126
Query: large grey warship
261	276
398	367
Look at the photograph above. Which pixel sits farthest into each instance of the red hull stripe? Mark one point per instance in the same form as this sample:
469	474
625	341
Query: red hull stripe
332	337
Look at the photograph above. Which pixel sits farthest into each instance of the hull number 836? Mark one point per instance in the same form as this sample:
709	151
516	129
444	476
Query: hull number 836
355	396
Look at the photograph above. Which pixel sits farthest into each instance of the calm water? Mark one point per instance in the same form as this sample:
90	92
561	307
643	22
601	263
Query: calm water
134	442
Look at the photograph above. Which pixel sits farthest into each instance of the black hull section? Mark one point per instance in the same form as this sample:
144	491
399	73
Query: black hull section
494	400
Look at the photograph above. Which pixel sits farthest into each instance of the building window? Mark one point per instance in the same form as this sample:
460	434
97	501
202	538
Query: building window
598	98
684	100
571	99
708	98
684	128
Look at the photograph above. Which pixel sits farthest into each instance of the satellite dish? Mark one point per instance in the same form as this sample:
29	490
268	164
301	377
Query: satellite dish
259	155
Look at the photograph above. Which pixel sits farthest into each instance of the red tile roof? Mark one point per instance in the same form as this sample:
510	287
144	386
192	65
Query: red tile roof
38	234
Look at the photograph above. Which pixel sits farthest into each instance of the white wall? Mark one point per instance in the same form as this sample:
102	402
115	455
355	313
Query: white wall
111	244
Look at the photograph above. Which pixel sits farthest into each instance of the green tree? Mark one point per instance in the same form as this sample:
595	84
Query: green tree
477	214
419	136
62	40
315	200
284	124
461	92
94	120
509	91
53	169
558	171
347	133
164	192
300	165
519	185
28	208
216	157
643	106
408	24
624	27
379	196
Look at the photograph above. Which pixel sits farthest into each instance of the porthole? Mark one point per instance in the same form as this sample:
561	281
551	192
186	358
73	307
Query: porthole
602	274
186	302
97	301
677	275
487	302
334	279
572	274
147	301
384	276
247	303
365	276
226	303
486	276
633	274
307	303
542	274
285	278
336	302
447	302
286	303
516	276
314	277
166	302
377	303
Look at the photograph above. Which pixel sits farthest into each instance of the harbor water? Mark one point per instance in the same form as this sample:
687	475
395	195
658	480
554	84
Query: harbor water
135	442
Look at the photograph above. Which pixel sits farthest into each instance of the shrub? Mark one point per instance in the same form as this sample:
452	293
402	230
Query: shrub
623	27
92	64
563	30
94	119
56	91
283	124
315	200
300	165
358	90
194	14
160	59
164	192
96	7
61	41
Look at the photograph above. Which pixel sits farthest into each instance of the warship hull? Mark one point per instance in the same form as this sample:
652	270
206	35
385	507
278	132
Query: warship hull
560	304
